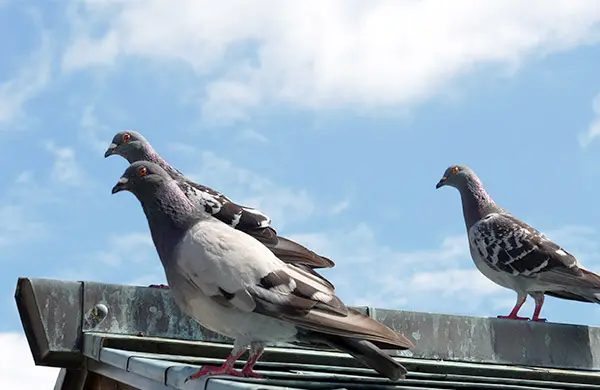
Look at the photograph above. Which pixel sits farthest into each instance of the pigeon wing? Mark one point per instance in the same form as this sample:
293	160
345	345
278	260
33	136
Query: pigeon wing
318	308
289	251
510	245
222	208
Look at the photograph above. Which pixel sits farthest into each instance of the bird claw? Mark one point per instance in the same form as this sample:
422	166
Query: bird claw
158	286
214	370
251	374
509	317
538	319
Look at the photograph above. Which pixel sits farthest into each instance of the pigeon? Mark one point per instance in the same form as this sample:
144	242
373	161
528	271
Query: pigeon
513	254
234	285
134	147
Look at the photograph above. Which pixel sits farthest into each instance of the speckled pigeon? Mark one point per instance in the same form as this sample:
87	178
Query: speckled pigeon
234	285
514	255
134	147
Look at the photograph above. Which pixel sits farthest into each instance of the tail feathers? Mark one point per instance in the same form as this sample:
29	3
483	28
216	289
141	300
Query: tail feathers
367	353
580	296
314	273
285	249
291	252
591	278
585	287
353	325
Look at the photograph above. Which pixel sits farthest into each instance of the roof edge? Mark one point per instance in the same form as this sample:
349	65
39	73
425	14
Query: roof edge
50	313
55	315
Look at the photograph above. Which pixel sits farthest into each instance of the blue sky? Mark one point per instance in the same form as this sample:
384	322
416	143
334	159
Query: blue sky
337	120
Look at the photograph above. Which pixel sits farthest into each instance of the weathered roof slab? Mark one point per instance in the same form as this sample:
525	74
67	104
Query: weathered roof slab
56	314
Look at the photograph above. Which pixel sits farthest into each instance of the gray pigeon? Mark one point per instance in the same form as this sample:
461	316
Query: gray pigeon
514	255
133	146
235	286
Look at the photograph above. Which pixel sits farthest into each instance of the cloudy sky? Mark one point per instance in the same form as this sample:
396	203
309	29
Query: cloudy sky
336	118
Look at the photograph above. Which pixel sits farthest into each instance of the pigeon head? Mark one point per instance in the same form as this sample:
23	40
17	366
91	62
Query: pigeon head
456	176
128	144
142	178
476	202
168	211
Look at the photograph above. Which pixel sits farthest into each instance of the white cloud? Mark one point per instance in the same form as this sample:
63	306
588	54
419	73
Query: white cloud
65	169
327	54
28	191
19	226
593	130
360	244
340	207
25	201
391	277
96	135
130	248
132	254
17	369
19	221
27	84
252	135
85	52
228	100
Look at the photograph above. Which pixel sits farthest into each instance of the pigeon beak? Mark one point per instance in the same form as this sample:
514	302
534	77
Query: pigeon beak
120	186
111	150
441	183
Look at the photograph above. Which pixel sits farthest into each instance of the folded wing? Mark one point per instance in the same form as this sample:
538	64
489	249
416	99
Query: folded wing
510	245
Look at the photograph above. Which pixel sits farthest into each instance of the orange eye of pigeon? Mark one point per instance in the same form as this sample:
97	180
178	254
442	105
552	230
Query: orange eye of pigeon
126	137
143	171
455	170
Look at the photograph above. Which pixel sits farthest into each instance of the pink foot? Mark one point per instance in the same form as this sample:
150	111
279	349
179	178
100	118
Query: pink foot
251	374
158	286
214	370
538	319
509	317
